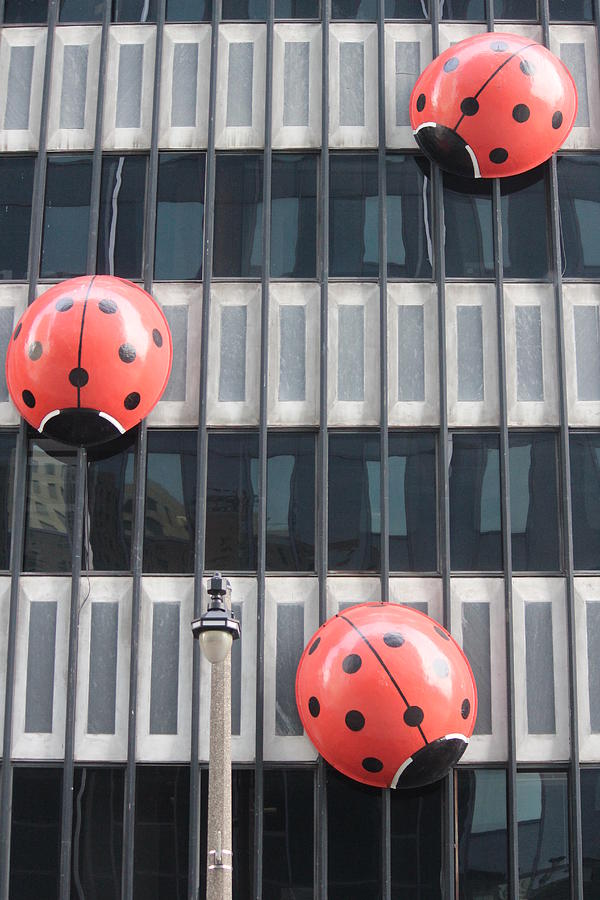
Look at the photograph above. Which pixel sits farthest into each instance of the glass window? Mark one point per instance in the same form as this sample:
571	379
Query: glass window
121	221
49	513
170	512
469	230
571	10
179	217
161	831
516	9
353	215
110	492
25	12
8	441
408	206
361	10
189	11
542	811
590	828
81	10
288	834
246	10
579	197
407	9
16	186
354	502
297	9
238	215
585	499
291	502
294	216
232	502
35	833
66	216
353	839
482	834
475	519
525	225
412	502
242	812
134	10
465	10
534	502
416	843
97	832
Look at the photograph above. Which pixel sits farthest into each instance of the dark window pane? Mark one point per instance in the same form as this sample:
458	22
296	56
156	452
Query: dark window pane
252	10
110	490
525	225
516	9
161	832
590	827
189	11
412	502
35	834
469	233
66	216
232	502
475	524
291	502
297	9
571	10
542	809
97	833
579	196
585	499
363	10
238	216
49	515
121	222
471	10
134	10
408	217
354	502
28	12
179	217
81	10
16	186
294	216
242	805
482	835
534	502
8	442
416	838
353	839
407	9
170	513
288	835
353	215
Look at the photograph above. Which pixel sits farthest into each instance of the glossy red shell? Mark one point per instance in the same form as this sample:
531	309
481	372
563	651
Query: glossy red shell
89	359
493	105
386	695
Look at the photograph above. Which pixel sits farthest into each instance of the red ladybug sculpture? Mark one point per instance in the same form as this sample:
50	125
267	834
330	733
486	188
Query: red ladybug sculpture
493	105
386	695
89	359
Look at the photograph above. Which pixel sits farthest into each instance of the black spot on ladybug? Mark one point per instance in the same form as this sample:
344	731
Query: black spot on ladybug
157	337
499	155
413	716
17	331
131	400
34	351
355	720
351	663
78	377
465	709
127	353
469	106
108	307
372	764
421	102
314	707
28	399
451	64
557	119
440	667
499	46
65	304
527	68
441	632
393	639
521	112
314	646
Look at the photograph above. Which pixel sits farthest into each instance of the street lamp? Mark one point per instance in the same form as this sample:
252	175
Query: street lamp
216	630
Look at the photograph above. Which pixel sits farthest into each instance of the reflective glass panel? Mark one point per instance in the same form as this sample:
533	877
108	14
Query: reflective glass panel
291	502
121	221
534	502
471	10
412	502
579	197
170	512
585	499
407	9
238	215
179	217
516	9
571	10
97	833
189	11
134	10
110	492
542	811
242	813
29	12
354	502
35	833
66	216
8	442
482	835
590	828
361	10
353	839
16	186
297	9
408	207
416	843
81	10
525	225
288	834
475	521
245	10
49	513
161	832
353	215
469	232
294	216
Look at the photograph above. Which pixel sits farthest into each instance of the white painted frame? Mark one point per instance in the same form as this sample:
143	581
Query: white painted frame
185	137
4	622
241	137
402	412
419	590
74	138
345	137
582	137
351	589
587	590
26	138
400	136
582	413
292	136
12	295
451	33
114	138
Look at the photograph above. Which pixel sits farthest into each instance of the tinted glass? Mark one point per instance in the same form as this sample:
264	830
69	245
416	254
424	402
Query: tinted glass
189	10
585	499
161	832
469	234
121	222
97	832
170	512
35	833
238	216
179	217
515	9
16	186
525	225
49	514
66	216
353	215
407	9
353	839
294	216
7	469
408	216
472	10
110	491
245	10
134	10
242	812
416	838
291	502
365	10
482	836
590	828
81	10
579	196
297	9
571	10
232	502
542	810
412	502
27	12
475	522
534	502
288	834
354	502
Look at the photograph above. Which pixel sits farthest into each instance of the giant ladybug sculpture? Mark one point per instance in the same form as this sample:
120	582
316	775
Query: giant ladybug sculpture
386	695
493	105
89	359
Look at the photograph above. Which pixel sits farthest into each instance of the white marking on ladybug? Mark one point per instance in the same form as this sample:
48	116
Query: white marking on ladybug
452	737
425	125
45	420
117	425
476	172
396	777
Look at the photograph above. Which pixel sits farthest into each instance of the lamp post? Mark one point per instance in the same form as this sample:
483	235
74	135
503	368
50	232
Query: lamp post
216	630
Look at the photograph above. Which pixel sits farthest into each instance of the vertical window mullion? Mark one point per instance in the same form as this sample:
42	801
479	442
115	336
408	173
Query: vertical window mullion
97	158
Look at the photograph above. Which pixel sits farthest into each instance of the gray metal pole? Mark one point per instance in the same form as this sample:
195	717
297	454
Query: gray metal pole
219	876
